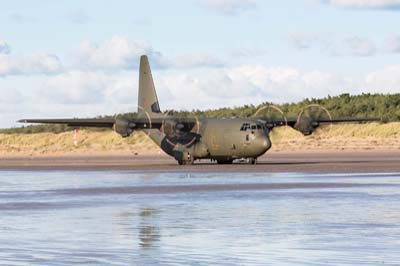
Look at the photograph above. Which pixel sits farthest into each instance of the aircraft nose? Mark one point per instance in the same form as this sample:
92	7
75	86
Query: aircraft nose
265	143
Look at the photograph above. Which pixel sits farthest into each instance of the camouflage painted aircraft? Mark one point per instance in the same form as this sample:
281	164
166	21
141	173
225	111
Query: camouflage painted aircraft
188	139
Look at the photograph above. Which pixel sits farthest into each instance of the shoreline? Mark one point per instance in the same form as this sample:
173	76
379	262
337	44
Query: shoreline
376	161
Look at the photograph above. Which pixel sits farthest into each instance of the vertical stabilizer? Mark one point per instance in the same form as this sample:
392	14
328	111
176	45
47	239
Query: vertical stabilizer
148	106
147	99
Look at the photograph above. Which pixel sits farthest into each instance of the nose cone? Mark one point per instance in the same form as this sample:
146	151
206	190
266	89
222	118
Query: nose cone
266	143
263	144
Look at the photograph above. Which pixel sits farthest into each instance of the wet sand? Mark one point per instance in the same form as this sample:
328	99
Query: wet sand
174	218
313	162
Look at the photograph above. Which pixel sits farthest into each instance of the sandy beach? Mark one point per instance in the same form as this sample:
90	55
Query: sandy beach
310	161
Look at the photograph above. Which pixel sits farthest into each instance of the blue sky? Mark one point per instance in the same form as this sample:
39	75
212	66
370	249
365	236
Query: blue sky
79	58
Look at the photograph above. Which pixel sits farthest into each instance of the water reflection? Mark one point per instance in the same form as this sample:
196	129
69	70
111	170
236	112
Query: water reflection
149	231
209	219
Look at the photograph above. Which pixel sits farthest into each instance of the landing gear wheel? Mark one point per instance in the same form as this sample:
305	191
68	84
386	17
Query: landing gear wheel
224	161
182	162
184	159
252	160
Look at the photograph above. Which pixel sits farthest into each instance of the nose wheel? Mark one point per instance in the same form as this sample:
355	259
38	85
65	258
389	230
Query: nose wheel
185	159
182	162
252	160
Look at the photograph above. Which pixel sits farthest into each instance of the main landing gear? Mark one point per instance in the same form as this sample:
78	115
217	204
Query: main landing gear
225	161
189	161
229	161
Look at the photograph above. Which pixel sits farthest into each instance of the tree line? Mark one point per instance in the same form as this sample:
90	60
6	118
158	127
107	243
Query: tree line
383	106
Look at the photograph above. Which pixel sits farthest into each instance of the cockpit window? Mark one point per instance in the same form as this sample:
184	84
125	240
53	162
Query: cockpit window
247	126
244	127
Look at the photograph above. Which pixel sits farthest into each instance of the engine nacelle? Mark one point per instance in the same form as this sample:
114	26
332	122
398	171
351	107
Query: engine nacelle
306	126
168	127
123	127
309	118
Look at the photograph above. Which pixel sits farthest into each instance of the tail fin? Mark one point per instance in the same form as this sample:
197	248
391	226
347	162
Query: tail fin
147	99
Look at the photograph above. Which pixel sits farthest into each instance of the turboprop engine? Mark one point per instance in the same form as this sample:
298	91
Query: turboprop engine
123	127
180	131
172	128
306	125
311	117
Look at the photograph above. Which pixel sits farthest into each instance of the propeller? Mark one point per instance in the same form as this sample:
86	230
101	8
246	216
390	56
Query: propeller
272	115
124	127
178	132
311	117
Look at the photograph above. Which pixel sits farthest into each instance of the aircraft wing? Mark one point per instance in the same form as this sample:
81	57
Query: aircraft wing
292	121
307	125
125	126
94	122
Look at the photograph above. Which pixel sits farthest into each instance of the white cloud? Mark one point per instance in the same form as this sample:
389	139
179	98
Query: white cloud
88	93
43	63
10	96
75	87
392	44
120	53
385	80
249	84
4	47
117	53
39	63
369	4
228	7
89	90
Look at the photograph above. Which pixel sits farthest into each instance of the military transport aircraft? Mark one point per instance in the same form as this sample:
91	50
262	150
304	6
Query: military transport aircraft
187	139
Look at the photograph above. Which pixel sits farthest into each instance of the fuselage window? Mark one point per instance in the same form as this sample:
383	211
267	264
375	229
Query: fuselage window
244	127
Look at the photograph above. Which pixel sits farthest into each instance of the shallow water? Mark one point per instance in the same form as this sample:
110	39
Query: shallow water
144	218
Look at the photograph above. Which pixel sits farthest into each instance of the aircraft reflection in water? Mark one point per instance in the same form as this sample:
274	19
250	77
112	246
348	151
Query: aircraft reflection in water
149	233
188	139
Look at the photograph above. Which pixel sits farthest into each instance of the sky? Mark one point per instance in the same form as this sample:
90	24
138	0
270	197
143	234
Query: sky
61	59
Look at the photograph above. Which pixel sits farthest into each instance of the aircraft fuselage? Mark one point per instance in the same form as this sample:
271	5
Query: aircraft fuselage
219	139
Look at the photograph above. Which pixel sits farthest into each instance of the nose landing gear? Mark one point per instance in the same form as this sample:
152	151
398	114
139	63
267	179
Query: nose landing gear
252	160
184	158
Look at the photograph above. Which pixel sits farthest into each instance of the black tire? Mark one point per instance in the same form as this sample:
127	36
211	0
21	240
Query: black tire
182	162
224	161
253	161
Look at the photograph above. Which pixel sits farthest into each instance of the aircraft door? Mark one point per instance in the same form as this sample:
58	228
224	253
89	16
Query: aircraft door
215	141
229	141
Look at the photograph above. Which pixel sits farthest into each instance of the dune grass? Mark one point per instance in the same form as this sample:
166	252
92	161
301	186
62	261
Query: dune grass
89	142
340	137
